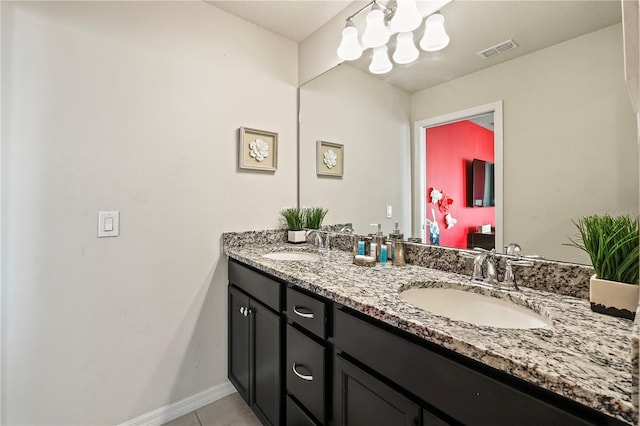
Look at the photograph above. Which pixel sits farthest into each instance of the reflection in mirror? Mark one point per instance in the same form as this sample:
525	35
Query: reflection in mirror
569	140
457	176
371	120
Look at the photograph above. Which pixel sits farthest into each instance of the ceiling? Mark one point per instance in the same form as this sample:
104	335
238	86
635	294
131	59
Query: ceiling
473	25
293	19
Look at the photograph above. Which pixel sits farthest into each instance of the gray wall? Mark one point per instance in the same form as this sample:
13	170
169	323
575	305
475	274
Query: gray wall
570	137
130	106
372	120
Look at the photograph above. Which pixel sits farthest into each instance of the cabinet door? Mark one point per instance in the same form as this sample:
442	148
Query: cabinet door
362	400
239	341
267	396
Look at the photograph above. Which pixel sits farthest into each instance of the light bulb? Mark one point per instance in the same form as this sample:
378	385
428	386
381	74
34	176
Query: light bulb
380	63
349	48
406	18
435	37
376	33
406	51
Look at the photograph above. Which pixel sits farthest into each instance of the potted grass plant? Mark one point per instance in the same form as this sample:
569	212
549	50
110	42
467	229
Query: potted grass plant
612	245
295	218
314	216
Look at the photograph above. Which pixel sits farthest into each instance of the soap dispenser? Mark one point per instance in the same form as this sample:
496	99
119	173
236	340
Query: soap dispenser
379	240
396	235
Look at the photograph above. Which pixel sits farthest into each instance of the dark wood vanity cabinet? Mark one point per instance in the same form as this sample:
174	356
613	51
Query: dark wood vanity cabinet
256	341
451	388
302	360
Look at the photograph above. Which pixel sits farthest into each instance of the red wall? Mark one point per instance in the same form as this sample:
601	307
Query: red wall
448	149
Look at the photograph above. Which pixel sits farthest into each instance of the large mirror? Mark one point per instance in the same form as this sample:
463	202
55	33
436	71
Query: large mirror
569	132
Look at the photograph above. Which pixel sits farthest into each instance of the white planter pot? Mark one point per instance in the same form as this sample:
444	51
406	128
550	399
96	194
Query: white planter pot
297	236
613	298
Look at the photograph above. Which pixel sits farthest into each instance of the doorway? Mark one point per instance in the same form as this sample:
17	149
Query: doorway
452	209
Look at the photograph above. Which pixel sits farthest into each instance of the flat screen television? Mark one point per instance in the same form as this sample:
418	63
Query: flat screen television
482	184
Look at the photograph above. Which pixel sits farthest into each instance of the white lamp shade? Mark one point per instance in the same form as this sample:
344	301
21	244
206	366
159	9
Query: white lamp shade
407	17
349	48
380	63
406	50
376	33
435	37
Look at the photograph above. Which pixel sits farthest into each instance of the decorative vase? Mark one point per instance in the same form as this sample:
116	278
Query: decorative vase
297	237
613	298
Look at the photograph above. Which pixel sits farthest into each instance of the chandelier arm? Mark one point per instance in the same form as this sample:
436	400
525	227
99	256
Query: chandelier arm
387	11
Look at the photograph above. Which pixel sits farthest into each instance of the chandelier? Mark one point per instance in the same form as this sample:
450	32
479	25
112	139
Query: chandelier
382	23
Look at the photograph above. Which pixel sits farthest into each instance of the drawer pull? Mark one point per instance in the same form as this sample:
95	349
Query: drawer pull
302	376
302	314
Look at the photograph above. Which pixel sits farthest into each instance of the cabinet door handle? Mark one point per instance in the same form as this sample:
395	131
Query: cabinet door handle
302	314
242	308
302	376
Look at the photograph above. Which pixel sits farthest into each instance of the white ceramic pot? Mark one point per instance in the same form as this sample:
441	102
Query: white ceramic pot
297	236
613	298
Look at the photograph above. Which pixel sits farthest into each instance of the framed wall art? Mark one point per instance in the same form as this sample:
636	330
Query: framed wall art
329	159
258	150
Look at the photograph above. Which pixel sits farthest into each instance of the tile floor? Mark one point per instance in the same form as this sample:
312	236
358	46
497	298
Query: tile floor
228	411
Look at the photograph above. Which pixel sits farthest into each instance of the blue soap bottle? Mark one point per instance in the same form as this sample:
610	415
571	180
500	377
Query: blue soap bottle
383	253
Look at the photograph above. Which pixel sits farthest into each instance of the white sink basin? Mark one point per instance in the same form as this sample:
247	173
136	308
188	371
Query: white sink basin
474	308
292	255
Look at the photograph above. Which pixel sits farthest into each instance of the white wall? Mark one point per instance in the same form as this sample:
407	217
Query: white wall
371	119
130	106
317	53
569	136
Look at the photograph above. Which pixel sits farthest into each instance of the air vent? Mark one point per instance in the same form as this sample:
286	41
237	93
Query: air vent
499	48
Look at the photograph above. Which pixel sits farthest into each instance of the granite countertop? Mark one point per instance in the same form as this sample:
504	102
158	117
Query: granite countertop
584	356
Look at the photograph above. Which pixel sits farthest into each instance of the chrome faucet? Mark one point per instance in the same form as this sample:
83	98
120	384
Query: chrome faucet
322	245
347	229
512	249
480	258
486	260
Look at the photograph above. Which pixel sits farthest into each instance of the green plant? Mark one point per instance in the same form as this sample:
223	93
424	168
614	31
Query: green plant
295	218
612	244
314	217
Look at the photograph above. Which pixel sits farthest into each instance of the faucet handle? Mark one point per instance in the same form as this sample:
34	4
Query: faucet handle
509	276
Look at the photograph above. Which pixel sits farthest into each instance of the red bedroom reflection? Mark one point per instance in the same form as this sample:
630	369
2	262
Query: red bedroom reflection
450	153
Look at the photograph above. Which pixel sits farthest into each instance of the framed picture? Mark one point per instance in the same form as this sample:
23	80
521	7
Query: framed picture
329	159
258	150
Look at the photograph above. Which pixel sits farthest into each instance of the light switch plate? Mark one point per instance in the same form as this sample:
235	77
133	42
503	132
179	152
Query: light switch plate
108	224
389	212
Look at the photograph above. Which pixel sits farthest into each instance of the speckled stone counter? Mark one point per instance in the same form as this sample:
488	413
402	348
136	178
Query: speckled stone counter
584	356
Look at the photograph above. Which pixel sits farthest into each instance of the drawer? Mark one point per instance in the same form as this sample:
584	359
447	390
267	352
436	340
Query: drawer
260	287
307	312
296	415
305	369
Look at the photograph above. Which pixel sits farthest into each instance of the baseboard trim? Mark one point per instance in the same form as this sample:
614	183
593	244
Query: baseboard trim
170	412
